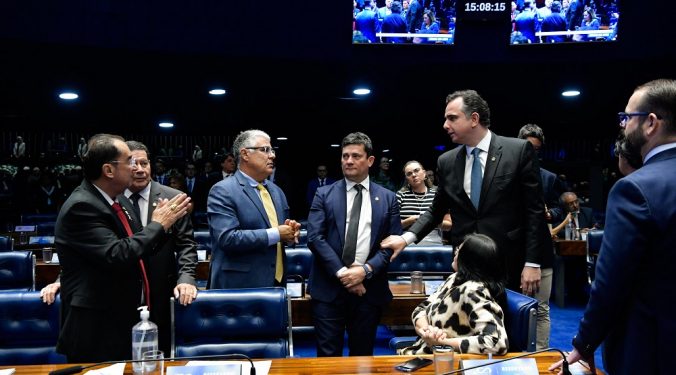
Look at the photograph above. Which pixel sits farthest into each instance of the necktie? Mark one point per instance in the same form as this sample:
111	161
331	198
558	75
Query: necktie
272	216
321	182
475	188
190	185
350	248
127	228
574	217
137	209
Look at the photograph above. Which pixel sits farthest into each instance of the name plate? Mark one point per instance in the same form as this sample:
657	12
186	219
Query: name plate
521	366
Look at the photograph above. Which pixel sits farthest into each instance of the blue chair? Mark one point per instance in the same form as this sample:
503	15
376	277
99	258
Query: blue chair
594	241
520	321
29	329
299	262
17	271
251	321
431	260
6	243
203	239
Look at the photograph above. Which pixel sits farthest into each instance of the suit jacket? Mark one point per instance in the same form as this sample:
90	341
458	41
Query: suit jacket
173	261
511	205
100	277
630	304
326	237
241	256
312	188
551	188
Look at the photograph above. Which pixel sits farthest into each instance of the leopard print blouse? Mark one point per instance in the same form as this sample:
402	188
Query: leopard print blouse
466	311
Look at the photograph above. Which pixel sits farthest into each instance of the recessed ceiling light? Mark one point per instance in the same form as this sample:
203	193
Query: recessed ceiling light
166	125
570	93
217	92
361	91
282	138
335	145
68	96
386	150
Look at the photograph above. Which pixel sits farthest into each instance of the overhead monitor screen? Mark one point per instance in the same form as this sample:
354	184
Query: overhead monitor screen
564	21
403	22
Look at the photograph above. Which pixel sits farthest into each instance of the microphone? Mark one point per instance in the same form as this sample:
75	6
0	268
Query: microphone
79	368
564	365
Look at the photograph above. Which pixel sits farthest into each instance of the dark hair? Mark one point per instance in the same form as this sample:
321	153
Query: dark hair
396	7
635	160
480	261
660	98
556	7
532	130
359	138
100	150
406	186
138	146
472	102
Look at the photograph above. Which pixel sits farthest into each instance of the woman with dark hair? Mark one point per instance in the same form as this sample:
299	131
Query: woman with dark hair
466	311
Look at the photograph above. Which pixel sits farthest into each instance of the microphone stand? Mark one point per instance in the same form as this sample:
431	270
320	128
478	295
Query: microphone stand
79	368
564	365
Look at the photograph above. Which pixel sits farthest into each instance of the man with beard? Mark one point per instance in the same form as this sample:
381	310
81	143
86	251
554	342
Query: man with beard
629	307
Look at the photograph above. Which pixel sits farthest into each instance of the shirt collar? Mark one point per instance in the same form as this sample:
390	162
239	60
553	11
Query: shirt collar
251	181
659	149
483	145
145	193
108	199
350	184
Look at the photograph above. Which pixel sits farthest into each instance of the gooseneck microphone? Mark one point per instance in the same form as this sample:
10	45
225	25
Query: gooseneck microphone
79	368
564	365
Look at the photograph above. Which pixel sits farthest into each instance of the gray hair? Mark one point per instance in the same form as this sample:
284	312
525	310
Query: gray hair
246	139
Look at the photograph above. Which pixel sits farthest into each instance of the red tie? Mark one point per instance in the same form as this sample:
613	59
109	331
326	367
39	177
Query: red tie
127	228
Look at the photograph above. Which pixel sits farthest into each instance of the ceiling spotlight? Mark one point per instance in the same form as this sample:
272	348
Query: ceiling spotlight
335	145
68	96
282	138
570	93
166	125
386	150
361	91
217	92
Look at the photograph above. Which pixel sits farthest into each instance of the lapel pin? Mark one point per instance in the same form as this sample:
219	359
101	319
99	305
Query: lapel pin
377	198
492	158
154	204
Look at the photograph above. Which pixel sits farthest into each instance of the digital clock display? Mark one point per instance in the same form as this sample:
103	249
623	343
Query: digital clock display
482	10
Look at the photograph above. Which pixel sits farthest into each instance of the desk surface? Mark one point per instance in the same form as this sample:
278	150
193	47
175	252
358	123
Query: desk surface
330	365
570	247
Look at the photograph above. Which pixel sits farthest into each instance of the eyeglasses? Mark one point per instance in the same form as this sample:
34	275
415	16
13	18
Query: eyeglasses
624	117
411	173
131	162
267	149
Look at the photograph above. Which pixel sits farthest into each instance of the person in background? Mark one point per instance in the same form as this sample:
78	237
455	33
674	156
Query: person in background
348	281
382	176
415	197
82	148
19	148
228	166
322	179
582	217
630	308
466	311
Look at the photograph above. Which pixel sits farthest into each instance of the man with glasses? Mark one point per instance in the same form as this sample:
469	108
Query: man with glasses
249	220
630	303
103	280
581	217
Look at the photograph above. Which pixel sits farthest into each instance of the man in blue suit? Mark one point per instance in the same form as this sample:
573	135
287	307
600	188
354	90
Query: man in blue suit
630	304
247	234
348	281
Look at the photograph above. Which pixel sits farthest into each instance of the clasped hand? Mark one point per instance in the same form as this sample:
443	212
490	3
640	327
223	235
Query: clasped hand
432	335
289	231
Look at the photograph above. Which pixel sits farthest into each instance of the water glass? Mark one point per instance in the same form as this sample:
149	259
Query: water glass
154	364
416	282
47	253
443	359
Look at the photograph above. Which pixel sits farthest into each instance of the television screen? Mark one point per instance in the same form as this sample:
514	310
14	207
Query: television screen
24	228
564	21
41	240
403	21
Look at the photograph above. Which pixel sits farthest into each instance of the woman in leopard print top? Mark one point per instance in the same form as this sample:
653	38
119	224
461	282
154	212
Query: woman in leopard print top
464	312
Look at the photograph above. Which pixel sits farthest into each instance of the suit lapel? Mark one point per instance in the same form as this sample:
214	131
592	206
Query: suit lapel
492	164
253	196
88	186
153	197
135	222
340	210
376	213
458	183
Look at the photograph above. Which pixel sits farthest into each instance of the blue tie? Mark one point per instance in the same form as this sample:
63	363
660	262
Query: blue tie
475	188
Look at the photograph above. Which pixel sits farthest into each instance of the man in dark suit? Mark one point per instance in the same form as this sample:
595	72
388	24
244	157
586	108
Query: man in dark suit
630	306
171	268
491	185
582	217
551	185
317	182
249	220
101	277
348	281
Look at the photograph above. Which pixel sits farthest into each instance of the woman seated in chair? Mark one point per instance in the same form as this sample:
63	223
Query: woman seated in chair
465	311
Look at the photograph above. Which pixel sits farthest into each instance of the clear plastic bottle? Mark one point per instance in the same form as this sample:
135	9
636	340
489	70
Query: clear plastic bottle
570	231
143	339
22	238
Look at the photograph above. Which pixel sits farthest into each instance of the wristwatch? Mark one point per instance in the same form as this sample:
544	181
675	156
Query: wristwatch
369	273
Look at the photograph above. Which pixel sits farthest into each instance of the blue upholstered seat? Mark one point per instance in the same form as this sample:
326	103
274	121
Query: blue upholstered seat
17	271
29	329
299	261
203	240
520	319
6	243
594	240
429	259
252	321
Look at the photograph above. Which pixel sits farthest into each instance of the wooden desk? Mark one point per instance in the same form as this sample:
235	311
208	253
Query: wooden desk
566	251
570	247
329	365
397	313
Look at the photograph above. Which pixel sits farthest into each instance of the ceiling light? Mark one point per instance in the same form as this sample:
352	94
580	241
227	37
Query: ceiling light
570	93
166	125
361	91
335	145
217	92
386	150
282	138
68	96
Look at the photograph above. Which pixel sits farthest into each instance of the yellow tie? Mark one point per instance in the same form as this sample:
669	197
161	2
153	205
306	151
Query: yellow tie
272	216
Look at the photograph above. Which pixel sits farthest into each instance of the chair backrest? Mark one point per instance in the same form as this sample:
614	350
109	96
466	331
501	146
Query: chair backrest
252	321
203	240
299	261
520	320
29	329
17	271
302	238
6	243
594	241
428	259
